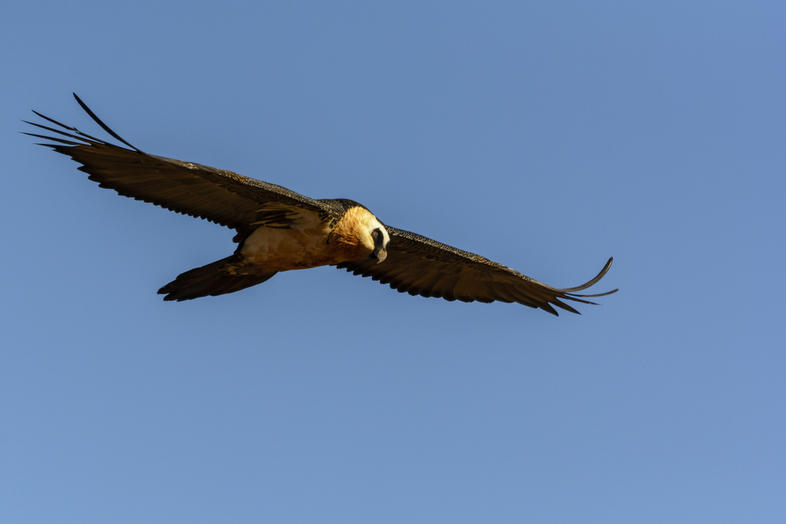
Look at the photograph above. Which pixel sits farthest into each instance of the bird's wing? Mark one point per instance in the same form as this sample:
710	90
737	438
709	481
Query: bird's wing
217	195
422	266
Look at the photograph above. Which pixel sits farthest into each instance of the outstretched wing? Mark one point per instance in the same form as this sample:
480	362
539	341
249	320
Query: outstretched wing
422	266
217	195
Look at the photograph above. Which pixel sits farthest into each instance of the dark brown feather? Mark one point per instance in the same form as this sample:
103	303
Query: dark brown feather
217	278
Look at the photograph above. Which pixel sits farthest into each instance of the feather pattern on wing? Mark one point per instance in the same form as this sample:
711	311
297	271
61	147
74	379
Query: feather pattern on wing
421	266
217	195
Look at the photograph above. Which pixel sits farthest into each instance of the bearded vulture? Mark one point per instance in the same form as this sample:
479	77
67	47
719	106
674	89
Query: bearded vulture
280	230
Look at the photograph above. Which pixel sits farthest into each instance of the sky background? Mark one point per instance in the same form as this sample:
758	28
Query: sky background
545	135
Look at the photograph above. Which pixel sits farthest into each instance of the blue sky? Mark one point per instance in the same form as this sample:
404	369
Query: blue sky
547	136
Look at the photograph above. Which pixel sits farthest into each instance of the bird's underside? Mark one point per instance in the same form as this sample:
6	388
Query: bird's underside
280	230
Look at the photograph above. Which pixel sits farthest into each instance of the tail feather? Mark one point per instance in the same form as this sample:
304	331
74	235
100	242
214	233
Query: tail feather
216	278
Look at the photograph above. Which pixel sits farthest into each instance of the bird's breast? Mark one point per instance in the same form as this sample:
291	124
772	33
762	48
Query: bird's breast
302	247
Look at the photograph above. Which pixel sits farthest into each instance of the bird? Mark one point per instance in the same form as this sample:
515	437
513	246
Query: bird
280	230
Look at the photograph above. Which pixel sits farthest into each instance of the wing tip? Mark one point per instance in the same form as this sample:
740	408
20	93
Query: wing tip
570	293
591	282
100	122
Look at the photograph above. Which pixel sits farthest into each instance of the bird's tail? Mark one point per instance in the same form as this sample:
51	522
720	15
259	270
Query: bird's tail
219	277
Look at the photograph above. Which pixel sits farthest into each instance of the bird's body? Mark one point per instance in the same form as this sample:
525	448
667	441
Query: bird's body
280	230
311	241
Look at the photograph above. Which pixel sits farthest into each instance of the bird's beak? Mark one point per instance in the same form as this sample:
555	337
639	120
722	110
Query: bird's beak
379	254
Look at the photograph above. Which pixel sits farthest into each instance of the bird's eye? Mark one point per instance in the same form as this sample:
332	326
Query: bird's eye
375	234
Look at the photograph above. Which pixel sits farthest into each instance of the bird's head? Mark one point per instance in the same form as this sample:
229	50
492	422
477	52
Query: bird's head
359	234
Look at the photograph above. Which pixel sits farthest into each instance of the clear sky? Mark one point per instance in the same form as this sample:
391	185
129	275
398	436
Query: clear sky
545	135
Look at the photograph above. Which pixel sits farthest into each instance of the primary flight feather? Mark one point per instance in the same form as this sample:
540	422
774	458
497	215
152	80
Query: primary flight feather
280	230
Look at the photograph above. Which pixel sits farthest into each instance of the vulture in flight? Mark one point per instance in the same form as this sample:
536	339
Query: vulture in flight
279	230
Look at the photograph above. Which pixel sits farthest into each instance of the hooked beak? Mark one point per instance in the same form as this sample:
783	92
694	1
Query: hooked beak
379	254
